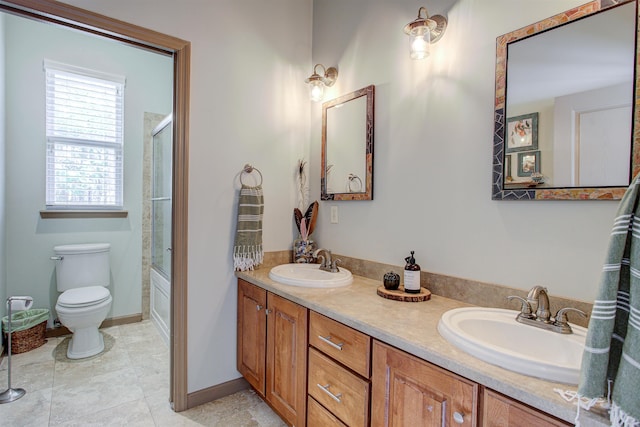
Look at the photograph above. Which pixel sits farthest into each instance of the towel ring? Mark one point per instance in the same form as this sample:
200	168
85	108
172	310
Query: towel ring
248	169
352	178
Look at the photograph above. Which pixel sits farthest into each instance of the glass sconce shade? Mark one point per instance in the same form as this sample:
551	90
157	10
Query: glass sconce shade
317	82
316	91
424	31
419	44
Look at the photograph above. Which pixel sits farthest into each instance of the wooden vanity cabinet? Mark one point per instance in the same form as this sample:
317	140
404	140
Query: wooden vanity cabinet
251	354
407	391
339	369
272	350
371	382
500	411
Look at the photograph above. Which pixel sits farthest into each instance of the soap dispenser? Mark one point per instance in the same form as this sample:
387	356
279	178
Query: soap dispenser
411	275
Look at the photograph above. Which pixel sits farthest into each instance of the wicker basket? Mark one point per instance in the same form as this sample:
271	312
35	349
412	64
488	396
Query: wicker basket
28	339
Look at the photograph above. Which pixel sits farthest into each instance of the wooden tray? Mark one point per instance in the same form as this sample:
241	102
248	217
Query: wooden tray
400	295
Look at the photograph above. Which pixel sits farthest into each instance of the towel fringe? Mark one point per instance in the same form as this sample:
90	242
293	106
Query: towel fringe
247	257
583	402
619	418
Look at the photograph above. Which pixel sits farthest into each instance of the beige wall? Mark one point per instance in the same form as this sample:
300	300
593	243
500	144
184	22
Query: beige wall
433	152
434	125
249	104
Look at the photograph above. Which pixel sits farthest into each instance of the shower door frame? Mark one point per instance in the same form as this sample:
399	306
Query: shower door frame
180	50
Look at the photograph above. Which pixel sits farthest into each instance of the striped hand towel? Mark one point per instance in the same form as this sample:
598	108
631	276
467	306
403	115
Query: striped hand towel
611	359
247	250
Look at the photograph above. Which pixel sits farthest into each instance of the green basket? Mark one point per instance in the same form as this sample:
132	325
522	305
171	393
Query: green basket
22	320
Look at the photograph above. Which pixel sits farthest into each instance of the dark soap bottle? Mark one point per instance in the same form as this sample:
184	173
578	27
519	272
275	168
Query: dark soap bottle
411	275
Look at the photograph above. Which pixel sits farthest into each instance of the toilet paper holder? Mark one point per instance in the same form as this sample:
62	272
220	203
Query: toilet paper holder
11	394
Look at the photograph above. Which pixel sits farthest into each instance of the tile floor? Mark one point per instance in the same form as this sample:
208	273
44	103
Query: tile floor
126	385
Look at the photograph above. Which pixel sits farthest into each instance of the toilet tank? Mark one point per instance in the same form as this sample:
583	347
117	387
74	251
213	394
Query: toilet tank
82	265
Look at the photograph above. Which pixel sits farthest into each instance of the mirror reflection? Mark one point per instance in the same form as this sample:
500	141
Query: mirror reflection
347	146
569	95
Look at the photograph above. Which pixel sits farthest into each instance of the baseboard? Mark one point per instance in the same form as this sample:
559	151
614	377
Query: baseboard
216	392
113	321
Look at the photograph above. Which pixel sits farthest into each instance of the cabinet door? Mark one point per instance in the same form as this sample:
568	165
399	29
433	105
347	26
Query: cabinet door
501	411
410	392
252	334
287	359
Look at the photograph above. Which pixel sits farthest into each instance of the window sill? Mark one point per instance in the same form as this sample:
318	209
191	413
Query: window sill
64	214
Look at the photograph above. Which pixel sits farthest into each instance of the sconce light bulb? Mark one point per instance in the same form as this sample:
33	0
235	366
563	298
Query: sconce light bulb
316	91
420	46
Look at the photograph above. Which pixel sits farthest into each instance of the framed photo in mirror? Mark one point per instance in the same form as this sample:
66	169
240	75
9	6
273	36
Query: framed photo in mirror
528	163
536	73
522	133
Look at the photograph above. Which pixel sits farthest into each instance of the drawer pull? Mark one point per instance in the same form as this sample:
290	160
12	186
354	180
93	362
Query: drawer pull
325	388
258	307
458	417
331	343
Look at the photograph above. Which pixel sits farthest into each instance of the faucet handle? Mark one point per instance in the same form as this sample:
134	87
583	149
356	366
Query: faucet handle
562	321
334	265
525	310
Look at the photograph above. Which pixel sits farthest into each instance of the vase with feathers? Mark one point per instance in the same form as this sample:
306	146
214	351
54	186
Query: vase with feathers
304	246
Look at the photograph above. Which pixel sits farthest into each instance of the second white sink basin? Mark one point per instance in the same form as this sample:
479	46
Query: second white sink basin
310	276
493	335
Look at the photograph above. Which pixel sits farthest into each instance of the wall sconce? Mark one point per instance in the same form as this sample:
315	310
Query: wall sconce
317	82
424	31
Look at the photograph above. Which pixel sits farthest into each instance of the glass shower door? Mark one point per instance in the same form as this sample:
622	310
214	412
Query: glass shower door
161	198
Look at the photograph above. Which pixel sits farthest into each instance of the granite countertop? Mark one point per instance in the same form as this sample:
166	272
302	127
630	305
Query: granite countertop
412	327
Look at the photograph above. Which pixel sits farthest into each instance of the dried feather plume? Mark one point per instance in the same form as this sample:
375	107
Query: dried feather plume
303	189
306	223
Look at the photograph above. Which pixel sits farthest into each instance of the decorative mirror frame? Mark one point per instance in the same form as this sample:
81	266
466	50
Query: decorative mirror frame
369	93
498	192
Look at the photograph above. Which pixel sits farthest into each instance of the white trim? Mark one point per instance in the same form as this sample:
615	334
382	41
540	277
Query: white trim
54	65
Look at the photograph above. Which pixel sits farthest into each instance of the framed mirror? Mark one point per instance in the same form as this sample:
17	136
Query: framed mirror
566	125
347	146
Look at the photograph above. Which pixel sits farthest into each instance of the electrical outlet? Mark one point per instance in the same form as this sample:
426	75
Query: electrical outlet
334	214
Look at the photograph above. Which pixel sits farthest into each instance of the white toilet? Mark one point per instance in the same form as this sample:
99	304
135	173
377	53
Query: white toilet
82	273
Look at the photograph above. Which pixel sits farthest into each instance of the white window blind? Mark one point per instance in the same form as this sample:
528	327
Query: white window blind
84	125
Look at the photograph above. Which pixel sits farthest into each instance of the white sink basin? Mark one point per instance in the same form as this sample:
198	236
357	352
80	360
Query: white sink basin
310	276
493	335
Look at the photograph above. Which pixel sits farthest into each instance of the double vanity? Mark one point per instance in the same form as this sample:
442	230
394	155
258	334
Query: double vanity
342	355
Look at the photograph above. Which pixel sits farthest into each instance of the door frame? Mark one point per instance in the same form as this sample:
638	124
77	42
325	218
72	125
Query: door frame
79	19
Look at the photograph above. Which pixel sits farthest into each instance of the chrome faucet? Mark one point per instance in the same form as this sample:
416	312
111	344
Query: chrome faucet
542	316
538	296
327	264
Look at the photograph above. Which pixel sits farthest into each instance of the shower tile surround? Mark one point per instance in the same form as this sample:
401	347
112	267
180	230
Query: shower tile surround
128	384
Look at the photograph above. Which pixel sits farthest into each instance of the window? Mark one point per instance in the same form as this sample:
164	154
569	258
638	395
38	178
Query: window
84	128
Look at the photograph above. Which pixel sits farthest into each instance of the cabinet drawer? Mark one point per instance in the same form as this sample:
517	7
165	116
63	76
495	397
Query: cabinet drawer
500	410
346	345
343	393
318	416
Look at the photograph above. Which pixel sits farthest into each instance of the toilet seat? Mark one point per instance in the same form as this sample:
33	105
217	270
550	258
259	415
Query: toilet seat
83	297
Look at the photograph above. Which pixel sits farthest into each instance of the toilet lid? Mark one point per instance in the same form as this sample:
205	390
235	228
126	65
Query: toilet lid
80	297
